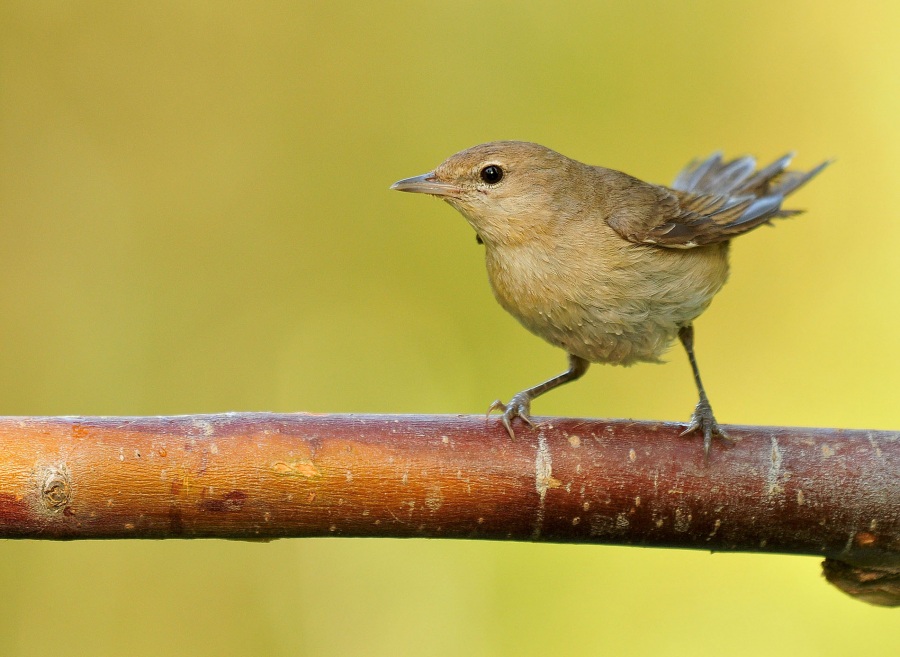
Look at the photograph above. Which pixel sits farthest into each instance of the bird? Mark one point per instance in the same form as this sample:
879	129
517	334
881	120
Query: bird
608	267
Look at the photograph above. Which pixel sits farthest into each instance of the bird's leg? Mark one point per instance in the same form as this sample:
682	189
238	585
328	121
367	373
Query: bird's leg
520	405
702	418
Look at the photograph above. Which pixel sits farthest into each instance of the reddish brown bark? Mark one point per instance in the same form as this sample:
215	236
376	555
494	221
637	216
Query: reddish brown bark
253	475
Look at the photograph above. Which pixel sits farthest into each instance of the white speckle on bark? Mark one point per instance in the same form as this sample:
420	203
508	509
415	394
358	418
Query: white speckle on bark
543	475
773	483
434	498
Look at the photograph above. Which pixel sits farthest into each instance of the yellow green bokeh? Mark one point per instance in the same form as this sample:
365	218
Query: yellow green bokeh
194	217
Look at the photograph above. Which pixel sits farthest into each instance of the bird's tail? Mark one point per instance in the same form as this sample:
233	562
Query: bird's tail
739	178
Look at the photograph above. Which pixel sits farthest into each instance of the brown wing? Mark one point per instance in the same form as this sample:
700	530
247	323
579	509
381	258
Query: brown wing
710	201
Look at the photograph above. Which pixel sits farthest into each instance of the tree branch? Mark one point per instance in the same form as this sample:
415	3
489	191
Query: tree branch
262	476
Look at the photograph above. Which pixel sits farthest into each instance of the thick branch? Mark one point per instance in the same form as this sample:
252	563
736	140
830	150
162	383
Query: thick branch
802	491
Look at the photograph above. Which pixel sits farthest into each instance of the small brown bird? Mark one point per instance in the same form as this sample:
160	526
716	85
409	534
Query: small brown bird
601	264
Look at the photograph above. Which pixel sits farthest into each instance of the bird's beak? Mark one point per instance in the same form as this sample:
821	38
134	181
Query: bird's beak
427	183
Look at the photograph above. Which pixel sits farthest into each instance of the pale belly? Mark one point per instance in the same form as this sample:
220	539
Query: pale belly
618	313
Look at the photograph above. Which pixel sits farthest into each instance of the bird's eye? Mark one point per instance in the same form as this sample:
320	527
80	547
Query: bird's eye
492	174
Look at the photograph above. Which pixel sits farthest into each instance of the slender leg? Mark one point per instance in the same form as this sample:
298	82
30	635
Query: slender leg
520	405
702	418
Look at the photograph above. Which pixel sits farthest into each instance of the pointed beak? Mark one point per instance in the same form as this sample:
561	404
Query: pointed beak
427	183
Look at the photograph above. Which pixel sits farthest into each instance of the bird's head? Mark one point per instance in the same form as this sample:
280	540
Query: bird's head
509	191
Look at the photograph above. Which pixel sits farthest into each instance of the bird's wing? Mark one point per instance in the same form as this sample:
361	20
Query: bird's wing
710	201
681	220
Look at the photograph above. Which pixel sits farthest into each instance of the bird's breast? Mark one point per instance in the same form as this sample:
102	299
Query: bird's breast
619	307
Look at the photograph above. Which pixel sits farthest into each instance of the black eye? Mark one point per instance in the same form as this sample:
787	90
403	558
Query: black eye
492	174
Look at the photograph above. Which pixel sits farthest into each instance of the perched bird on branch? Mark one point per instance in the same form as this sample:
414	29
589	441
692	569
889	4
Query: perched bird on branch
599	263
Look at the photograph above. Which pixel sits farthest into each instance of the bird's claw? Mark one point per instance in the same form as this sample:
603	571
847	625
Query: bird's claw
704	421
518	407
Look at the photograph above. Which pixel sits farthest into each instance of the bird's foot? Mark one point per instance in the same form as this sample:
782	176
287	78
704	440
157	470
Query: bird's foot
704	421
518	407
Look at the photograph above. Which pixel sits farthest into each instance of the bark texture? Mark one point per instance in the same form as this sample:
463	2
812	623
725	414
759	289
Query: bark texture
825	492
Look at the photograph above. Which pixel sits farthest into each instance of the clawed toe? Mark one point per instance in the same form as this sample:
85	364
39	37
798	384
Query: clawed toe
518	407
704	421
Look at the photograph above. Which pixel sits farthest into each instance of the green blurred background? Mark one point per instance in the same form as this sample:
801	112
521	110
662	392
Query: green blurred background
194	217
